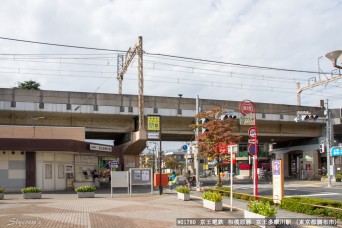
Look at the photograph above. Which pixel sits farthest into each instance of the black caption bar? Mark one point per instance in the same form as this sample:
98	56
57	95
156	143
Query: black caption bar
255	221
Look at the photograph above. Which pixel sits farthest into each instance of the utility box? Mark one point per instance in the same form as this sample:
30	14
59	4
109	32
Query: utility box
164	177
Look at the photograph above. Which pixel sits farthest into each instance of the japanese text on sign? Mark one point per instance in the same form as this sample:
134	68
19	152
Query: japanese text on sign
153	123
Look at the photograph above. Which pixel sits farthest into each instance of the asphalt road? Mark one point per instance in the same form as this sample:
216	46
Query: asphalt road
313	189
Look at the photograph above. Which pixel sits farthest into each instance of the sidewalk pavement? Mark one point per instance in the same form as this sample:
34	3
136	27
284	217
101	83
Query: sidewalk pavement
64	209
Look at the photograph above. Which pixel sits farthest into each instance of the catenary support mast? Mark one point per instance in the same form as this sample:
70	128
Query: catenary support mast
137	49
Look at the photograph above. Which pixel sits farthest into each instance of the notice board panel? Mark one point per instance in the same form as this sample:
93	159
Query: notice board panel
141	176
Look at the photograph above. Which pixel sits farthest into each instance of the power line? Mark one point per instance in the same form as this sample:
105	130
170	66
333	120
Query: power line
60	54
60	71
217	84
52	62
166	55
61	45
235	64
224	74
103	72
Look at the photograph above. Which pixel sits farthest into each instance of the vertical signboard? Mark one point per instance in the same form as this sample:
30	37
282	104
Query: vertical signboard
153	123
247	110
153	127
278	180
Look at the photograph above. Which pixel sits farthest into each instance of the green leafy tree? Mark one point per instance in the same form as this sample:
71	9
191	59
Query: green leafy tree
29	85
147	160
218	134
171	162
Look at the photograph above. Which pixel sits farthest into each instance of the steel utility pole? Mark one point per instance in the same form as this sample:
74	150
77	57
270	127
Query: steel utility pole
198	187
327	140
137	49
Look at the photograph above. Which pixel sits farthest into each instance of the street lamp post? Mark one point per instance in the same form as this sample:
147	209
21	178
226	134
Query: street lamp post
319	68
334	56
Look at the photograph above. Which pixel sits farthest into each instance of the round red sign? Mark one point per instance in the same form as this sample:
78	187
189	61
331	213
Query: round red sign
246	107
252	132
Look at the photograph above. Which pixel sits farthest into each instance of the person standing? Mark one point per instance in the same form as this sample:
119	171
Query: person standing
324	171
96	179
188	178
172	180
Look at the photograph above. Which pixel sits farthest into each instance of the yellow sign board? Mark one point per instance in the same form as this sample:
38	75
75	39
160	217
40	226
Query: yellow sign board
153	123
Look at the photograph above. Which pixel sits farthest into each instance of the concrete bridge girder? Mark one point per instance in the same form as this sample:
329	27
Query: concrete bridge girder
113	116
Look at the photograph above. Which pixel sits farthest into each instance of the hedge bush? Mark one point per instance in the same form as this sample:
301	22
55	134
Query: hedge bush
309	206
305	205
313	206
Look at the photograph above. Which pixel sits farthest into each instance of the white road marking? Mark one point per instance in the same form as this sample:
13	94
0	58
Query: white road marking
321	194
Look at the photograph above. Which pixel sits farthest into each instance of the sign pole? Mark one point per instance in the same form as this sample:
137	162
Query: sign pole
154	133
327	142
198	187
255	156
247	109
160	163
255	164
231	178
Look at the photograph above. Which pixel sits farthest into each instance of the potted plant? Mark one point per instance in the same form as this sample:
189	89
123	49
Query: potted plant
31	193
86	191
260	210
183	193
2	192
212	200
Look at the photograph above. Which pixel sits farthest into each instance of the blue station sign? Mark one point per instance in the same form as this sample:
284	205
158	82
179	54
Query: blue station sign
336	151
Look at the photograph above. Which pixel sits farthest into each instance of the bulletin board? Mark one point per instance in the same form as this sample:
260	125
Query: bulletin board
140	176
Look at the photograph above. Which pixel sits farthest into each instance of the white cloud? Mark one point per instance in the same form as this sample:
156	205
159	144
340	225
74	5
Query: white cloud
291	34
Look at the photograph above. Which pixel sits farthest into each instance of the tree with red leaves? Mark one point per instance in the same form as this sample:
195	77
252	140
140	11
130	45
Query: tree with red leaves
218	134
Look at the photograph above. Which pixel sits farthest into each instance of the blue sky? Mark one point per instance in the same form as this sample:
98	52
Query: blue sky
289	35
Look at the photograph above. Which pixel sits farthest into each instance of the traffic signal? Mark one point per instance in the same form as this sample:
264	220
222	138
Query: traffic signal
314	117
230	117
309	117
321	148
305	117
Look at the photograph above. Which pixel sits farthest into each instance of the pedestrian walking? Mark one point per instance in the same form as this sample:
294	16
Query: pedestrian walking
324	171
188	178
172	180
